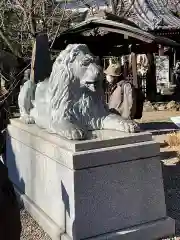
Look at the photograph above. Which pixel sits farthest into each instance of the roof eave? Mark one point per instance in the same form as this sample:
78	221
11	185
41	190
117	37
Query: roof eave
120	28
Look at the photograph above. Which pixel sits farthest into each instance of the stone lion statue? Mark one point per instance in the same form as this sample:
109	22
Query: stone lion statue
71	102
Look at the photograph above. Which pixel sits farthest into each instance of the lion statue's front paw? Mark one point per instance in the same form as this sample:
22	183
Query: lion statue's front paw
68	130
131	126
28	119
115	122
75	134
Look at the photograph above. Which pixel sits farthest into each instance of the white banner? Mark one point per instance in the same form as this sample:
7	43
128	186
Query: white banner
162	70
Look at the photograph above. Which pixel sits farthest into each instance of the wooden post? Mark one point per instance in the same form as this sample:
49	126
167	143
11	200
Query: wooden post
33	62
134	69
41	65
151	88
161	50
174	59
125	73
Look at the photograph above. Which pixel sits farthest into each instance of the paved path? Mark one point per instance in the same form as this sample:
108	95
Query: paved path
159	116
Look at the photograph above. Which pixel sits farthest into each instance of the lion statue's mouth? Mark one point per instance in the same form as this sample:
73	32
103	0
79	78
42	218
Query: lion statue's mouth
62	103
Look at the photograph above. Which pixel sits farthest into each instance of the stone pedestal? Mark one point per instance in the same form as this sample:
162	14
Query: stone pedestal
107	187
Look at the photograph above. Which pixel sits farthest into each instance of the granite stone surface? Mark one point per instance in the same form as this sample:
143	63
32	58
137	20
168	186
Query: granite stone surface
89	193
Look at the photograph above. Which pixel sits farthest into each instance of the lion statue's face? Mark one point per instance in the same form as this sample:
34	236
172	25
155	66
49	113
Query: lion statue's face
88	70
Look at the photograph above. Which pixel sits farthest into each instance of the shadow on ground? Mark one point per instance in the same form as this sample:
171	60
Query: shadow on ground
171	175
159	128
10	224
168	155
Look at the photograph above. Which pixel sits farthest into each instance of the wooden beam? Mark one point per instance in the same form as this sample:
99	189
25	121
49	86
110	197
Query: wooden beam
145	48
129	34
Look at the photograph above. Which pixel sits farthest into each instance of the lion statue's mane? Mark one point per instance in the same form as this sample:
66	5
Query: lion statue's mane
71	101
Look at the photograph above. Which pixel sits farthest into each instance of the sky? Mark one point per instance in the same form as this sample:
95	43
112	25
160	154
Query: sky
79	4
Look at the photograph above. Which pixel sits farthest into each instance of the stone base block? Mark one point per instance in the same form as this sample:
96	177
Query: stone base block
107	187
153	230
149	231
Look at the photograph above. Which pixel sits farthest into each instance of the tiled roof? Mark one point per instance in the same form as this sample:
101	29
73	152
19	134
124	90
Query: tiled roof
155	14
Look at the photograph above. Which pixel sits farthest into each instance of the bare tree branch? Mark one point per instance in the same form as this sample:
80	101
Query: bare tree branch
31	16
9	44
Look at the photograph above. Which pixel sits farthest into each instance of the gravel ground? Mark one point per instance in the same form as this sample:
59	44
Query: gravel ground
30	229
